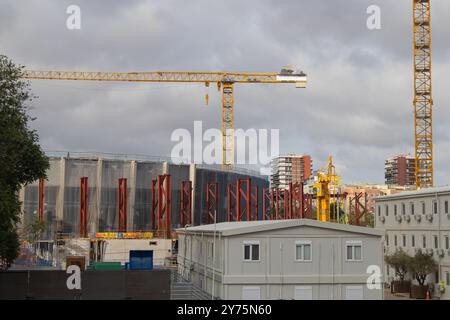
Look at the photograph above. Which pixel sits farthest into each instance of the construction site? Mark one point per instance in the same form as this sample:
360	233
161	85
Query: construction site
106	211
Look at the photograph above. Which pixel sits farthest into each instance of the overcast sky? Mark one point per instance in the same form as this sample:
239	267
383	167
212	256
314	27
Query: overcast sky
357	106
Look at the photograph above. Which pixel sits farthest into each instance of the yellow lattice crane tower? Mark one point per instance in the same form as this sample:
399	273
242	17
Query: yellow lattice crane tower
327	184
225	81
423	101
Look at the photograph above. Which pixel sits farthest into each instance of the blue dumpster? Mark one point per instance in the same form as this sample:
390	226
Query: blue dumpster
141	260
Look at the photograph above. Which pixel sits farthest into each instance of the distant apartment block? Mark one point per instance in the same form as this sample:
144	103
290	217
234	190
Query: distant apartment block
290	168
400	170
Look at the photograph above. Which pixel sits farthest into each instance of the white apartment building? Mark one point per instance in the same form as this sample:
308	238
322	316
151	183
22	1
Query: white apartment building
418	220
282	259
290	168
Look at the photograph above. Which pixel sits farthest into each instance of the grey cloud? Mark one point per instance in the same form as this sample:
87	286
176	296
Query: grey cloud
358	104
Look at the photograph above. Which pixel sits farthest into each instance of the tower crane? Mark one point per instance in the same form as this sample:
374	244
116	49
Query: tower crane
423	101
225	82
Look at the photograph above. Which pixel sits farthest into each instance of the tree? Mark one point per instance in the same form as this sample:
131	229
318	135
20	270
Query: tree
35	230
22	160
422	264
399	261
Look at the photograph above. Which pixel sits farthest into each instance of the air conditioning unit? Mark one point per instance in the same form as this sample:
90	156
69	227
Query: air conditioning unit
418	217
429	217
408	218
382	219
398	218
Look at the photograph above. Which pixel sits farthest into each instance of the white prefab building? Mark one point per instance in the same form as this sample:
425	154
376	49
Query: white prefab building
418	220
282	259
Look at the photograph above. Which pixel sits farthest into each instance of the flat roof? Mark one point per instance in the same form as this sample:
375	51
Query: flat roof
415	193
243	227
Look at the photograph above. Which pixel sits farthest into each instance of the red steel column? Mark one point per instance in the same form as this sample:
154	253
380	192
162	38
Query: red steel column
266	204
244	194
164	206
186	203
122	206
212	201
41	199
154	204
83	206
255	203
232	202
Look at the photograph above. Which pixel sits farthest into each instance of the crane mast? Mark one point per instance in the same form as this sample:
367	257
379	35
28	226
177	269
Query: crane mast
225	82
423	101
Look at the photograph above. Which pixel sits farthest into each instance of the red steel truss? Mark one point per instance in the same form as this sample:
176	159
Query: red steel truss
358	209
186	203
240	199
83	206
212	202
254	204
267	204
308	206
231	202
122	205
296	191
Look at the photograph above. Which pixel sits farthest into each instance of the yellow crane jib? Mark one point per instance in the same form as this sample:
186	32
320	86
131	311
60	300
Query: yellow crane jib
224	80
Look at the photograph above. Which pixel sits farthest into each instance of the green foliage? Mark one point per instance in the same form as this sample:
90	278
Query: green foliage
35	230
370	219
421	265
400	261
21	158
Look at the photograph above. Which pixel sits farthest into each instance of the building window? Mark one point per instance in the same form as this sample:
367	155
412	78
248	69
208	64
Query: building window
354	250
404	240
379	211
423	207
435	207
436	244
446	206
387	240
395	240
303	250
413	241
446	242
303	293
412	208
251	293
251	250
424	241
403	209
395	209
447	278
387	210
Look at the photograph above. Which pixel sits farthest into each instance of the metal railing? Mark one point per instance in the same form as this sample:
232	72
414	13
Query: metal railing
182	289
